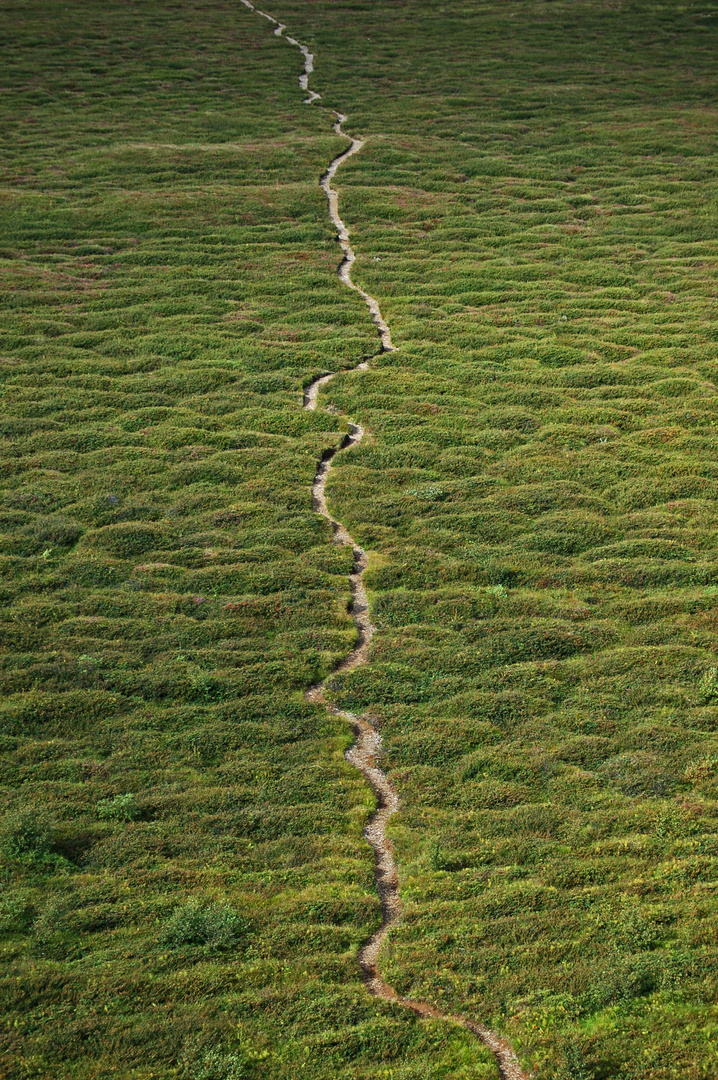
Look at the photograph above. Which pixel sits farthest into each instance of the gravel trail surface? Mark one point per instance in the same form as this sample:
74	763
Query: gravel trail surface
367	746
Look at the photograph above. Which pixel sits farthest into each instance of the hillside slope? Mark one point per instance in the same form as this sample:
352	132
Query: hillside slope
185	883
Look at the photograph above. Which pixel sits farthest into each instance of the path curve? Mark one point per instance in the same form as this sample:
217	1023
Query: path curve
367	745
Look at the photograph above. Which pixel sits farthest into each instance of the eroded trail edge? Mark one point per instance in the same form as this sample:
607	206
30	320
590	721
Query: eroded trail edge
367	746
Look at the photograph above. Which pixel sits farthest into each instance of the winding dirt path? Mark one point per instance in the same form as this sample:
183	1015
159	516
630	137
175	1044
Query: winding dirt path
367	746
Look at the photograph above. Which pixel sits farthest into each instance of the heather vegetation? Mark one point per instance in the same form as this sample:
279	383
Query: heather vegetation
184	881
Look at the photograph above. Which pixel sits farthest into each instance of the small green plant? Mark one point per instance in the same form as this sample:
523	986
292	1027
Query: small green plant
47	927
13	913
430	493
436	859
215	927
120	808
704	769
576	1067
29	840
497	591
215	1065
709	685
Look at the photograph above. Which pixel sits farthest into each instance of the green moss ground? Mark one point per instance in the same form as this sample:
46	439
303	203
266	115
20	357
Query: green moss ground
535	210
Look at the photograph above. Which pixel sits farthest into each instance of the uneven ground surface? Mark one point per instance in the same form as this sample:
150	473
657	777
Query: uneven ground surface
185	886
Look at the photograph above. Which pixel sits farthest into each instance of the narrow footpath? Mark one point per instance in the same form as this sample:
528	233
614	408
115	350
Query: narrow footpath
367	746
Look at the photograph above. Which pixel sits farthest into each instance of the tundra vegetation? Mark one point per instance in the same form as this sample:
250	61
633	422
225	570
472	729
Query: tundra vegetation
184	881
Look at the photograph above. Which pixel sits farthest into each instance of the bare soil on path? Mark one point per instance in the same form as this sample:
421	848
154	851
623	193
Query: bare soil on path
367	746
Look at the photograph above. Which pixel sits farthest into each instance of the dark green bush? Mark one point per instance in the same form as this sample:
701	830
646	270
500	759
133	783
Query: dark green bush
120	808
216	1065
29	838
211	926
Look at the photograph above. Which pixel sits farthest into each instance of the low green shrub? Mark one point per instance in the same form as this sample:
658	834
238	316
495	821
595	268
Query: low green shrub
708	687
216	1065
119	808
29	839
213	927
14	913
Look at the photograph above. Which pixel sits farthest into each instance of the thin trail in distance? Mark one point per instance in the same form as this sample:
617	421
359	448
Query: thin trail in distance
367	745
